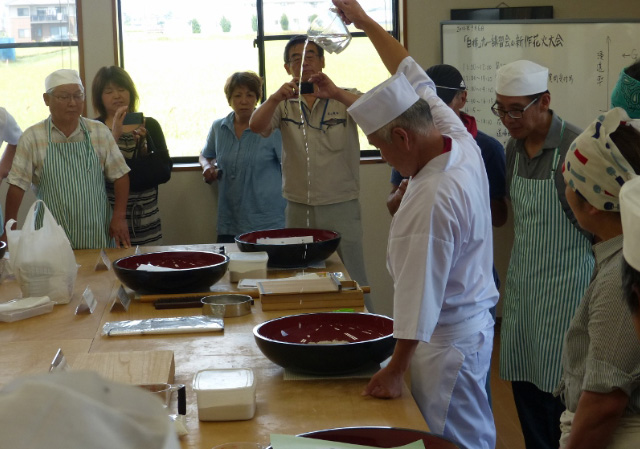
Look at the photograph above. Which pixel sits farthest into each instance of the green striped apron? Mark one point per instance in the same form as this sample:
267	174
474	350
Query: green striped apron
550	268
72	186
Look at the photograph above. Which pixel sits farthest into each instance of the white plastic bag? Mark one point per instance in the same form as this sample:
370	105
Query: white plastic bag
42	260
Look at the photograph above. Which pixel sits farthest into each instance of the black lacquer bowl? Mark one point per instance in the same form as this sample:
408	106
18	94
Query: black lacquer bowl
193	271
294	255
326	343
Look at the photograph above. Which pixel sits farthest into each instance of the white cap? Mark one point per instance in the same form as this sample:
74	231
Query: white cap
384	103
521	78
630	215
71	409
60	77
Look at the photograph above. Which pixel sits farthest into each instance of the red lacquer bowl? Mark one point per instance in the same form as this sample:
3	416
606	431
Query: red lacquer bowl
383	437
295	255
326	342
194	271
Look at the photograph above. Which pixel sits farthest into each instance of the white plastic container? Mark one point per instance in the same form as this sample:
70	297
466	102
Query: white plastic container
249	265
225	394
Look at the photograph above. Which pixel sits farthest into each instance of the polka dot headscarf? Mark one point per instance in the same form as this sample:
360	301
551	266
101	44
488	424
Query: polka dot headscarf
594	167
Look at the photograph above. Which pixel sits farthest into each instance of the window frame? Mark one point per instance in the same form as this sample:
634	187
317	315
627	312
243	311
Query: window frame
62	43
259	43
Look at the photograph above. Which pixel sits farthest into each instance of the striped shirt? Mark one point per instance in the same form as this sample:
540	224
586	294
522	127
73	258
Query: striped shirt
601	351
32	150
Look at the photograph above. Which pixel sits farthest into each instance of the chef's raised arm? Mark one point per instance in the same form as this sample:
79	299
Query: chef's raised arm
396	58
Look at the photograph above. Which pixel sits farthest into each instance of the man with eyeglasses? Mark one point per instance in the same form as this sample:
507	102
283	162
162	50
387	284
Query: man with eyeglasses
551	260
320	152
67	159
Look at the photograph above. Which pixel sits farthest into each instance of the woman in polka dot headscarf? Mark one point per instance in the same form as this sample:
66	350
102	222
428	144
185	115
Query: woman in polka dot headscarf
595	167
601	355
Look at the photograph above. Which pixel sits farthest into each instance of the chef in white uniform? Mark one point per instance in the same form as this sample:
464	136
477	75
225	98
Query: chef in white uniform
440	246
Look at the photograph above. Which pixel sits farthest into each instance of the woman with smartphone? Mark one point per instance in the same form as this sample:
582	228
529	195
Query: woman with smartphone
246	165
143	146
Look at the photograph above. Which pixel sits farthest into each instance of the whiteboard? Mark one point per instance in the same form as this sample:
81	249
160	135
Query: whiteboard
584	60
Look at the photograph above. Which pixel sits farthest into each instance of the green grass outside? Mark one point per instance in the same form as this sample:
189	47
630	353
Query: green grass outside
180	80
23	81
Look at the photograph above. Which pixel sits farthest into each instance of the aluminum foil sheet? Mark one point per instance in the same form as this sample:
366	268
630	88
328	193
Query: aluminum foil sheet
176	325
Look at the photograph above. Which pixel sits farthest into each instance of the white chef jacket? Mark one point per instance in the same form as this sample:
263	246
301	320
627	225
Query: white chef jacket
9	130
440	251
440	255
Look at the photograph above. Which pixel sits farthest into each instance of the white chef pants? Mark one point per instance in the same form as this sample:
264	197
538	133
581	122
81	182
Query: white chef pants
447	382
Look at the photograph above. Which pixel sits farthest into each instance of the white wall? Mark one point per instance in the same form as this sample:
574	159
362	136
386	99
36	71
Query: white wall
188	205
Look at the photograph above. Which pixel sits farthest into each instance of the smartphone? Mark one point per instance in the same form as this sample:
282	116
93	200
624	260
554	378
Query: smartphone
306	87
133	118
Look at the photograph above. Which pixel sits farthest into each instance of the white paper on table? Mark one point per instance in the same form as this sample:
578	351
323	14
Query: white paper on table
253	283
250	283
292	442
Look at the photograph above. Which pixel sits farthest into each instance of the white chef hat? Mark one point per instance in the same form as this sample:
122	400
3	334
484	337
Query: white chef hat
81	409
384	103
630	215
60	77
520	78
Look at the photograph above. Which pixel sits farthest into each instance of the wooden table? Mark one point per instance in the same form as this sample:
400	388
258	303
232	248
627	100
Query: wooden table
290	407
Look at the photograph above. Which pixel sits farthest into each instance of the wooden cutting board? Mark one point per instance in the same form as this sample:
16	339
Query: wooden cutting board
135	367
333	300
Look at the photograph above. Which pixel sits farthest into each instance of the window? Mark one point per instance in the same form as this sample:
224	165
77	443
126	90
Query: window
180	54
27	59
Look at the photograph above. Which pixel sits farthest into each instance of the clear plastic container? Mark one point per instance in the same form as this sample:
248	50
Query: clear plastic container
248	265
329	31
225	394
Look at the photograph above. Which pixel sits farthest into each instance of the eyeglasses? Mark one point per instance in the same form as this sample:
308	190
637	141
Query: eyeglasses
67	98
295	59
514	113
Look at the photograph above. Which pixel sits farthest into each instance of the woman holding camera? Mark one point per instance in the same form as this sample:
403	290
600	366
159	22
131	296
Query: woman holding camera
246	165
143	146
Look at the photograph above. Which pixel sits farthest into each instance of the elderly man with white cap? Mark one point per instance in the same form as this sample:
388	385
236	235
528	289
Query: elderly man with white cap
440	246
67	159
551	259
601	355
